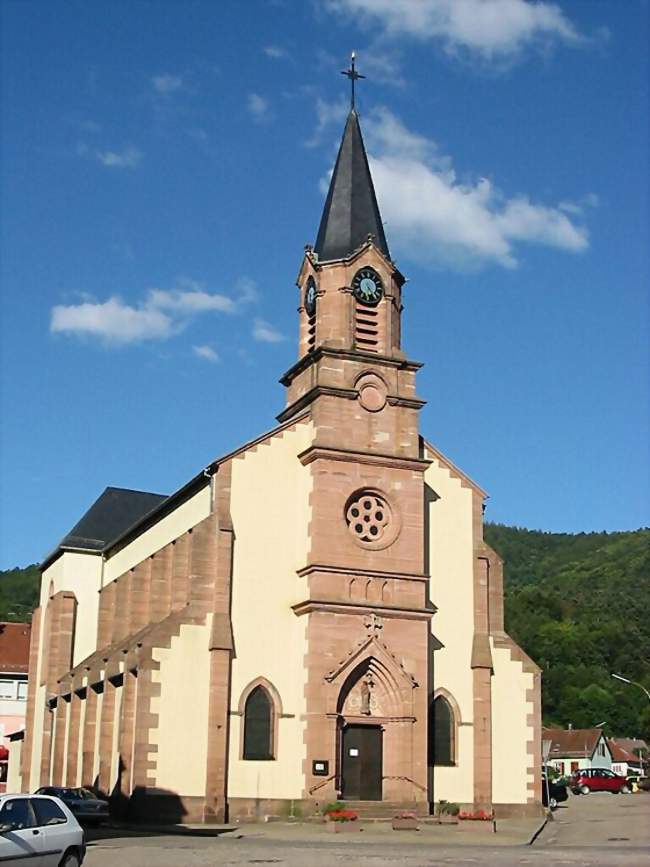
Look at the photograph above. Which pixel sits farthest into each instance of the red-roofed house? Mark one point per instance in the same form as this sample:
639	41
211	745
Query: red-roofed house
623	761
14	666
575	749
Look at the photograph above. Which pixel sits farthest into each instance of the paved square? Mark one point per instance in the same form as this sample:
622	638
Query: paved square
595	829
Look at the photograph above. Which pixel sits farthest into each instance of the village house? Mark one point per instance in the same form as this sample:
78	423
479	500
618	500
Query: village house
624	761
576	749
14	665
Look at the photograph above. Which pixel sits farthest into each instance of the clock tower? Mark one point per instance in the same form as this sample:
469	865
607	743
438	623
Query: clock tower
366	600
349	309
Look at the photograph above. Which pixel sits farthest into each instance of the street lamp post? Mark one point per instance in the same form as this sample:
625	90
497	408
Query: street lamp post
640	685
633	682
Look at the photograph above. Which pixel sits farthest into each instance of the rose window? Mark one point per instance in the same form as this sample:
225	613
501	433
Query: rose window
368	517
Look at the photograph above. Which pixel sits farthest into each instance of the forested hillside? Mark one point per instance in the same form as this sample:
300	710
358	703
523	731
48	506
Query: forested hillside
578	604
19	593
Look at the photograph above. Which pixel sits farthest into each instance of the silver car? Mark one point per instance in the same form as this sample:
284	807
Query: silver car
39	830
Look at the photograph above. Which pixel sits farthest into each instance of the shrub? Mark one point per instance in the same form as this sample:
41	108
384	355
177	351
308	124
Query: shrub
333	807
448	808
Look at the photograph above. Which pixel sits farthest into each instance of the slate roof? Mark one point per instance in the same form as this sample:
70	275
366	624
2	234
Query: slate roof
14	647
110	515
572	742
351	212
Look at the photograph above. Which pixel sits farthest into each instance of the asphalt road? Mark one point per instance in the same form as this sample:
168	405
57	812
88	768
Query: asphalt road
598	829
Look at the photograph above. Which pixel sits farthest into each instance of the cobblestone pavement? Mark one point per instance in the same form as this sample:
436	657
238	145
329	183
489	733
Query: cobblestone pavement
598	829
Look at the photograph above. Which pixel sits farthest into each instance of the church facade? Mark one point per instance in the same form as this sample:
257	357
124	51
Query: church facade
313	616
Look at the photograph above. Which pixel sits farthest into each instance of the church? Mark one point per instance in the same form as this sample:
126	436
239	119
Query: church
313	616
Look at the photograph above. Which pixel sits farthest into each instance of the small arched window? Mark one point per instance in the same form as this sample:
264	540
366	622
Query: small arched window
258	725
442	733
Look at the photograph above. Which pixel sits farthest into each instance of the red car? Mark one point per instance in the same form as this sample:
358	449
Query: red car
598	780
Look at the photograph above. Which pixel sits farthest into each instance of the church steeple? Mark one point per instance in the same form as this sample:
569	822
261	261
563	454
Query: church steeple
349	313
351	212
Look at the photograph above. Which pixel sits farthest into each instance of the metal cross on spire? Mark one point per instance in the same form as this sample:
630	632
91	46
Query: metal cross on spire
353	75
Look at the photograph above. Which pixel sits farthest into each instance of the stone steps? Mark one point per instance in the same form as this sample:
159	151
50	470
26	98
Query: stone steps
378	809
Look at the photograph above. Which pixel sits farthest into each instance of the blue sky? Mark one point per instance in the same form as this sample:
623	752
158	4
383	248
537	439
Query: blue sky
163	167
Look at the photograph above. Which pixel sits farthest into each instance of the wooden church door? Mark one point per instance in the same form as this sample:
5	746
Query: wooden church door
362	763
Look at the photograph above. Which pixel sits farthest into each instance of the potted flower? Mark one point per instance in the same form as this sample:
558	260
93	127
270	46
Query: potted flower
407	820
338	818
479	820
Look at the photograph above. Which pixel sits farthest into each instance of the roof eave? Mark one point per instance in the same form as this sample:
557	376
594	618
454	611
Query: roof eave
64	549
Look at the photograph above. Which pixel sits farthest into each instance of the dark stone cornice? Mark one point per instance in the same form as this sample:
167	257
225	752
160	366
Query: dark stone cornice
349	355
334	606
355	572
314	453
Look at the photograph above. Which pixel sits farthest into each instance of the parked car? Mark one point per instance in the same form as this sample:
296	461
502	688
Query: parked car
36	829
638	782
86	806
598	780
555	794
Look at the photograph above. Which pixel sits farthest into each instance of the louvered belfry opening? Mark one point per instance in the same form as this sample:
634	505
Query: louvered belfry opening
311	332
366	328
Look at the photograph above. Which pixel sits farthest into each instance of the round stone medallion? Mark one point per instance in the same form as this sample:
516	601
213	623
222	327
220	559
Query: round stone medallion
372	392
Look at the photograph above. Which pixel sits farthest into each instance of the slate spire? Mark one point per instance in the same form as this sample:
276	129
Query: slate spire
351	212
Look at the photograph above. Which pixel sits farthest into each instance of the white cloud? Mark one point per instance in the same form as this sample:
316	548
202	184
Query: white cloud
196	301
382	65
161	314
434	218
207	353
275	52
166	84
199	135
327	113
489	28
258	107
265	332
90	126
128	158
113	321
246	291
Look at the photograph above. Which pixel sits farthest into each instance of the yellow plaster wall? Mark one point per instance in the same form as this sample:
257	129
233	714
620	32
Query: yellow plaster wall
510	732
66	742
115	750
182	708
98	729
187	515
452	592
271	513
37	740
82	575
13	771
80	745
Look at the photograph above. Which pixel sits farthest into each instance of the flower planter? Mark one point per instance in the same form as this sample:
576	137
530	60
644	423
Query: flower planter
341	827
447	819
481	826
405	824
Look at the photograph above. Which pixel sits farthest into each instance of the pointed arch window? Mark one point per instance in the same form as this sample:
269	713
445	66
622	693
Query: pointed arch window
442	732
258	725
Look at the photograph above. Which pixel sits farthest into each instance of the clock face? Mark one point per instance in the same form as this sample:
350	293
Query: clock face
367	286
310	297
